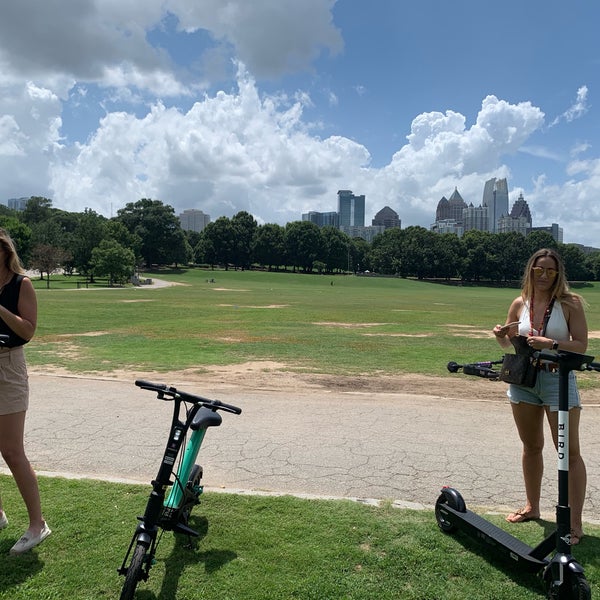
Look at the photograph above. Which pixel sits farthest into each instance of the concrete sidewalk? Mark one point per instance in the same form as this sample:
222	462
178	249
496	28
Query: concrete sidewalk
397	446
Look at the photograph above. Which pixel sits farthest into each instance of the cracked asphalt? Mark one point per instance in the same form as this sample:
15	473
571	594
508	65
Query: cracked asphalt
384	446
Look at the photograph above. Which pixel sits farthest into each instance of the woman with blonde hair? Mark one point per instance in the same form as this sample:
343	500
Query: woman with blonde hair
546	299
18	320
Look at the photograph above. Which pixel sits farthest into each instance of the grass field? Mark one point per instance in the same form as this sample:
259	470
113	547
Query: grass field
334	325
262	548
255	547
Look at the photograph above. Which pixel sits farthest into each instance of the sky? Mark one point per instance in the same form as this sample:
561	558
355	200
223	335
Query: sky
272	106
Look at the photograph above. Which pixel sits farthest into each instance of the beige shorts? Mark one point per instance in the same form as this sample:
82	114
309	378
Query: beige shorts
14	383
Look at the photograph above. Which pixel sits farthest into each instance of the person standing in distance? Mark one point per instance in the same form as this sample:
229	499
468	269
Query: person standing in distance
544	280
18	320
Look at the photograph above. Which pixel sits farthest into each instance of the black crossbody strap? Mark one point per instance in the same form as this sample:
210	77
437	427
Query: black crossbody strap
547	316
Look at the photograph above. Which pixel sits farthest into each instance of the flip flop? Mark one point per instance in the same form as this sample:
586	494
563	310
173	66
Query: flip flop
521	516
576	537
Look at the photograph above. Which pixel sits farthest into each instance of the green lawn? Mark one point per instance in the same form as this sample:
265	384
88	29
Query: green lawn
334	325
254	548
261	547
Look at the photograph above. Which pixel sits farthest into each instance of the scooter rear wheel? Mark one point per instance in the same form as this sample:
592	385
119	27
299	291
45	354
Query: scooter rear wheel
449	497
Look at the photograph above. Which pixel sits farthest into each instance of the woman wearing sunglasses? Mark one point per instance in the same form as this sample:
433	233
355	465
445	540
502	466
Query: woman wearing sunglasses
550	316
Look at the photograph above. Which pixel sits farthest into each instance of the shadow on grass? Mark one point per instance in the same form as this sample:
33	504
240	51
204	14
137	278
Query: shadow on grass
17	569
183	554
530	581
587	552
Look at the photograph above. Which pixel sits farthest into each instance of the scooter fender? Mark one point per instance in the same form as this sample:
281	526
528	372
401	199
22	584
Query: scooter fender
454	499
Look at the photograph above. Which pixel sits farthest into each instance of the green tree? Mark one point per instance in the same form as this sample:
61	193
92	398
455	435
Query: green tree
37	210
448	255
513	252
540	239
244	227
336	249
576	266
268	246
479	247
386	253
303	244
217	244
21	236
110	259
360	251
158	228
47	258
89	232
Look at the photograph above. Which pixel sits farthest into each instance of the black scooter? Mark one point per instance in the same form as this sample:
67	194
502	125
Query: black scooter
563	576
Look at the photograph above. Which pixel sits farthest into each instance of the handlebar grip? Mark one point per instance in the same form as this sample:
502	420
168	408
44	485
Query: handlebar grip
227	407
149	384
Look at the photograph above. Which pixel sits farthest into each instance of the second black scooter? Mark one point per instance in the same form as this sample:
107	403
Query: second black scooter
563	576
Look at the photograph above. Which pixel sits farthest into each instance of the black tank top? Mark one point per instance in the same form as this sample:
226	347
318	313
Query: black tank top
9	298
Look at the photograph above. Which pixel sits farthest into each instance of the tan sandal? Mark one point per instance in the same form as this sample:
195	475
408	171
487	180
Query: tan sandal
576	537
522	515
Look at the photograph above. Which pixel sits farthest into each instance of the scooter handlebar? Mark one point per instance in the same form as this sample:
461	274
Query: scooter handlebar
479	369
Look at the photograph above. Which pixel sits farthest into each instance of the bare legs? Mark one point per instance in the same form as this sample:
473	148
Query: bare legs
12	450
529	420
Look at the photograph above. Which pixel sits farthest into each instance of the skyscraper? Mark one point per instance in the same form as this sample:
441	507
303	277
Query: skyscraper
495	197
351	209
193	220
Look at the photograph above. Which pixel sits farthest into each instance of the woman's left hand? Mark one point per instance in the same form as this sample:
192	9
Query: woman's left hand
538	342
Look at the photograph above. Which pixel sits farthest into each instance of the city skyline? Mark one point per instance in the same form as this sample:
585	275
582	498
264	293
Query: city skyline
273	107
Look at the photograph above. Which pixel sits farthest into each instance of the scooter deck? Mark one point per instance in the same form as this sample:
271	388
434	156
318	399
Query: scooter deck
480	529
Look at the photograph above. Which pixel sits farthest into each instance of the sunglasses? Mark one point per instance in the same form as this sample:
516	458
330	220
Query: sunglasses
550	273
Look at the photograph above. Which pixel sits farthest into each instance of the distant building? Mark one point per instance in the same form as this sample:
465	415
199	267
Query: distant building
475	217
449	214
448	226
452	208
554	230
193	220
386	218
322	219
519	219
495	197
351	209
17	203
365	232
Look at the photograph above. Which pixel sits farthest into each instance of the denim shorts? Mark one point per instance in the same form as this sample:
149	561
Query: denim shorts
545	392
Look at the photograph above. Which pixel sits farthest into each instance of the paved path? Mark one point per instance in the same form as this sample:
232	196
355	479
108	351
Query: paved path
361	445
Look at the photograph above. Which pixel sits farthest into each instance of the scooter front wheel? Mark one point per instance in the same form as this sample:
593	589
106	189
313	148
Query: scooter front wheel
135	571
574	587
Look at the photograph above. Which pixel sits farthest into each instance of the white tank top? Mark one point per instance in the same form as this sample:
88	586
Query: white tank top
557	328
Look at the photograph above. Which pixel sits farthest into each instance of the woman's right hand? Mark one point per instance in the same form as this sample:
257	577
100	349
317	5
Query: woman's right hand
501	331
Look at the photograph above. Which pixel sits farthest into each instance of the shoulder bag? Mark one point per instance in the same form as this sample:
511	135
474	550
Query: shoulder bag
522	368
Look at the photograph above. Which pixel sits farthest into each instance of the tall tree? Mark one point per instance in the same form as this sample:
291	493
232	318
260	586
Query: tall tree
268	245
244	227
303	244
336	249
112	260
217	245
89	232
158	228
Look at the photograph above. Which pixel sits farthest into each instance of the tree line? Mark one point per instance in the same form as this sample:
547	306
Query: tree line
147	233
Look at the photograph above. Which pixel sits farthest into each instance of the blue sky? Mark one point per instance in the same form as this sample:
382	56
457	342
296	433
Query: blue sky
271	106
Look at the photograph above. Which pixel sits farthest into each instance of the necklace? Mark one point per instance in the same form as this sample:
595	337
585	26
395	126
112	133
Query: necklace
532	317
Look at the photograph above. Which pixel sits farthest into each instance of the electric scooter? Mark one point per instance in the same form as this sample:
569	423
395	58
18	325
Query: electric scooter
562	575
